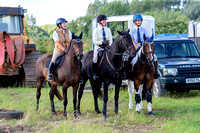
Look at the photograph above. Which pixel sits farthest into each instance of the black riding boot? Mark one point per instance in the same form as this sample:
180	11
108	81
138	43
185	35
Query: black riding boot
50	75
157	75
94	68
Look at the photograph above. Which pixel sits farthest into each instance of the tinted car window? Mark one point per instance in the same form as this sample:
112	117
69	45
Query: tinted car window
171	50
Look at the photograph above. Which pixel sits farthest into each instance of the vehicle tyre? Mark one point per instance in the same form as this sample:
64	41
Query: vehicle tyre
11	114
158	89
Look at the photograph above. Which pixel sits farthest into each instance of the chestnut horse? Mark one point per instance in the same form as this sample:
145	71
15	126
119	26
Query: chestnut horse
110	70
67	75
142	72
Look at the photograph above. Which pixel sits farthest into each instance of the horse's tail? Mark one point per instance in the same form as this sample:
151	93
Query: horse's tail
58	95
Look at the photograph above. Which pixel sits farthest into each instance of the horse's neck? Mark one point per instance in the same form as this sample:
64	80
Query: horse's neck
116	59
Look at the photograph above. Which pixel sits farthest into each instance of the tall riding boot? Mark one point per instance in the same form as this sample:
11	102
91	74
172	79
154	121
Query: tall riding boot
157	75
50	75
94	68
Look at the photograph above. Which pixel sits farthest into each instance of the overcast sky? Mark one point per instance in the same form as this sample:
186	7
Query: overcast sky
47	11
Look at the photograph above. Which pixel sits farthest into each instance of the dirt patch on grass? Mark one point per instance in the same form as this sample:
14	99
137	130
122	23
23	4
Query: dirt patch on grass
18	128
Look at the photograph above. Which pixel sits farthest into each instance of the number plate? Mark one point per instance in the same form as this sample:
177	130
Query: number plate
193	80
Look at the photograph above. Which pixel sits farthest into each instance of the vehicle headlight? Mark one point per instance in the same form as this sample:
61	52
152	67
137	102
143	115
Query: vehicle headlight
170	71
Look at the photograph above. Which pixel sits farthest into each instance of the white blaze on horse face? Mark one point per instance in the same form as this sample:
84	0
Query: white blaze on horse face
150	50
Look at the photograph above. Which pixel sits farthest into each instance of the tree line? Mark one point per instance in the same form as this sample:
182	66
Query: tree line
172	16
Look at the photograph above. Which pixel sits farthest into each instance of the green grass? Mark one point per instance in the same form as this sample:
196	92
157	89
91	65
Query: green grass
175	113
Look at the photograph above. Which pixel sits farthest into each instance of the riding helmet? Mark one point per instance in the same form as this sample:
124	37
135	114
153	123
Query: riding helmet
101	17
137	17
60	20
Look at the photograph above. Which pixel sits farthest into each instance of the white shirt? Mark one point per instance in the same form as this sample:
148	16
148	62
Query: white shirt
98	35
56	38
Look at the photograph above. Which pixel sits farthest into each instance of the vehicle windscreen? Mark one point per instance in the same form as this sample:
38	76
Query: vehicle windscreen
172	50
10	24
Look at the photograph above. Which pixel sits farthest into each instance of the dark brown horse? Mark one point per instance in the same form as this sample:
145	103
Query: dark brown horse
67	75
142	72
110	70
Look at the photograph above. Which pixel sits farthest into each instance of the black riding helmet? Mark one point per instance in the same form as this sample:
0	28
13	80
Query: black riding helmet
101	17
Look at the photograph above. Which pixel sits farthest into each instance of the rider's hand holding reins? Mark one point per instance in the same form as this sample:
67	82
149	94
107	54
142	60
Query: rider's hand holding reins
66	51
106	42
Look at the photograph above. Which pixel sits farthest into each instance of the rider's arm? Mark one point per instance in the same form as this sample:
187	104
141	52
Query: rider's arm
135	45
96	38
59	45
110	37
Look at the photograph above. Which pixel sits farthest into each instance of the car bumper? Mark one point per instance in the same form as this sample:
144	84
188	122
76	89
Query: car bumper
174	83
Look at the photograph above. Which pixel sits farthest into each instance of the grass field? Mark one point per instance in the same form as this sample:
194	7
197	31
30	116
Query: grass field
175	113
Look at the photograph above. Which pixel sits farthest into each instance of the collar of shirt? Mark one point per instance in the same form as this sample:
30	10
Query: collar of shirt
63	31
137	27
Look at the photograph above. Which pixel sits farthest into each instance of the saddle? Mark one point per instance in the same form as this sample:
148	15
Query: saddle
57	65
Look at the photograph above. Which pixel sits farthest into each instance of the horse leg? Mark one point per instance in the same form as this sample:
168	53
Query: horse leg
137	96
51	95
96	87
75	88
80	94
105	99
38	92
130	90
149	99
140	91
65	102
117	86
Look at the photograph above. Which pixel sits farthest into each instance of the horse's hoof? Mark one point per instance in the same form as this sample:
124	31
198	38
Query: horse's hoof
142	109
130	108
105	117
65	114
79	113
150	113
54	113
75	116
138	112
98	112
116	115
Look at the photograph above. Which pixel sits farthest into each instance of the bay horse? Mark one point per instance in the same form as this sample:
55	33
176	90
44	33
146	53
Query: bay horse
142	72
68	74
110	70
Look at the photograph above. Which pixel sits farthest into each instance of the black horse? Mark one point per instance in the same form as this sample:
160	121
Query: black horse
110	70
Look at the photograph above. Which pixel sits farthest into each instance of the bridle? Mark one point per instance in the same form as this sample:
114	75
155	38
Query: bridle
75	52
125	55
146	53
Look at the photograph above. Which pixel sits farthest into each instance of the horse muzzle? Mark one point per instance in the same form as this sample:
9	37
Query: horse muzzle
80	56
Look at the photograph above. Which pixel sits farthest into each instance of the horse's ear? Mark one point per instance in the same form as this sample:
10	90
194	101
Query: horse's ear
152	37
80	36
73	36
144	36
120	33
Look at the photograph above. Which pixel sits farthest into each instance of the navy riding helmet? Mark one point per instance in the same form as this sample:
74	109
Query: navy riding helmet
137	17
101	17
60	20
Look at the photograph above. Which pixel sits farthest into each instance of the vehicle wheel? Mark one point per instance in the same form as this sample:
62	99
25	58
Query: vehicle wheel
158	89
11	114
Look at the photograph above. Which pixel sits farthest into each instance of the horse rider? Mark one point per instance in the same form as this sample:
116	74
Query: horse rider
62	38
137	35
102	37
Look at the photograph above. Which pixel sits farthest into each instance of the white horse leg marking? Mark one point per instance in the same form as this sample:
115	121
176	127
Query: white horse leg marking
149	107
140	91
130	90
